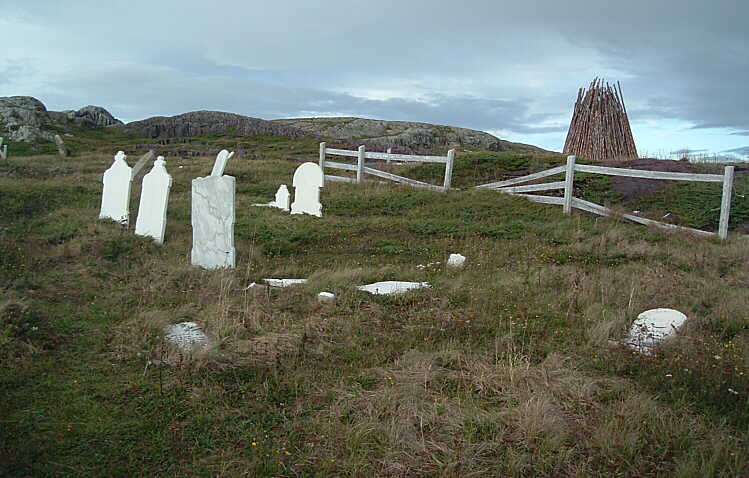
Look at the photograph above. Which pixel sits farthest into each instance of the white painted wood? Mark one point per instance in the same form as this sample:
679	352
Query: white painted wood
219	165
523	179
401	179
569	179
115	198
604	211
360	164
154	198
449	169
336	165
140	165
389	152
639	173
308	179
533	187
213	216
342	152
541	199
322	155
340	179
725	203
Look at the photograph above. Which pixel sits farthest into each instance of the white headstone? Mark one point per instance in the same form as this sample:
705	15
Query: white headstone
456	260
154	197
326	297
115	198
392	287
282	198
213	218
308	179
652	327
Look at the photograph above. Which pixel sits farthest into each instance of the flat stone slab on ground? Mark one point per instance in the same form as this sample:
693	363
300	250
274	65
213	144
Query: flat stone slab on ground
284	282
392	287
326	297
187	336
653	327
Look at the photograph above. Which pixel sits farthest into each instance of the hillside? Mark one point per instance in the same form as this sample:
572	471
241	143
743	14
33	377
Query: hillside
403	136
502	368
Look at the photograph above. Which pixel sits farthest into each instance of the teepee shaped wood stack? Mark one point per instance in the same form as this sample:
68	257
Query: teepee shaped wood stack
599	129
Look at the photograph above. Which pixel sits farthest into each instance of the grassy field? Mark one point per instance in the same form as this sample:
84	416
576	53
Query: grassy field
502	368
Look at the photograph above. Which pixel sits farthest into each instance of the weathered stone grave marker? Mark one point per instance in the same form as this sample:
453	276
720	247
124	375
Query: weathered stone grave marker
154	198
140	165
308	179
282	198
62	149
653	327
115	198
213	217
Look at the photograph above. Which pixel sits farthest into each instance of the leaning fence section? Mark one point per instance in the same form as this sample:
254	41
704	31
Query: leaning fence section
568	201
360	168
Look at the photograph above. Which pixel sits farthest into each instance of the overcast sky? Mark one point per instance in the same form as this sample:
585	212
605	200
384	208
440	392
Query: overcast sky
509	68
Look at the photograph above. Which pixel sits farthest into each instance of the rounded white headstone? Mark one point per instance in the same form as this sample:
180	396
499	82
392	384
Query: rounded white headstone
652	327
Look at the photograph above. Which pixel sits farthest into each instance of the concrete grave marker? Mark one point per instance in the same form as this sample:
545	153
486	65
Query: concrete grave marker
308	179
154	198
652	327
213	216
115	198
456	260
392	287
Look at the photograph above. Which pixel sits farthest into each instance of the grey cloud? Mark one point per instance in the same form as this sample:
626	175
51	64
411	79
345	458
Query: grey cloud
688	151
740	151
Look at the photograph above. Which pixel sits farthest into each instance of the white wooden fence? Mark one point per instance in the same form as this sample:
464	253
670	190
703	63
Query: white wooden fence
361	169
568	201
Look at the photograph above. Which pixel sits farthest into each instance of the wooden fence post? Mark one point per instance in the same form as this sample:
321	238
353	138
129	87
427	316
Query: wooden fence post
725	203
449	168
568	183
360	165
390	151
322	156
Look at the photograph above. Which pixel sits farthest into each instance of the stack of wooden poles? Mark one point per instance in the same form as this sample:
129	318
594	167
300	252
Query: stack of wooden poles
599	129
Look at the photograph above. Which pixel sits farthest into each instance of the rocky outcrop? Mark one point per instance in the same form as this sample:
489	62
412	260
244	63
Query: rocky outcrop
203	122
402	136
24	118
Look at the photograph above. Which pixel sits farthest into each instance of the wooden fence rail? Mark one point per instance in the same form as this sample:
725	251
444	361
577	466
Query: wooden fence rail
568	201
361	169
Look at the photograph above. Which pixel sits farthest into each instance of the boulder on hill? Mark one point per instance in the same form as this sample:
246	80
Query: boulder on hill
203	122
24	118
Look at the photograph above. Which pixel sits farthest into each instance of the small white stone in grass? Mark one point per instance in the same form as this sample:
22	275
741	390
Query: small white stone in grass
456	260
652	327
186	336
392	287
284	282
326	297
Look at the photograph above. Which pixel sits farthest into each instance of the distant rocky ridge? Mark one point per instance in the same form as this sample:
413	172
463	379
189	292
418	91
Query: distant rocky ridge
203	122
402	136
24	118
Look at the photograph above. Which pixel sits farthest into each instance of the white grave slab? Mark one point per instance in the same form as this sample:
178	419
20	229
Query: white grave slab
115	197
456	260
213	215
284	282
326	297
653	327
308	179
187	336
392	287
154	198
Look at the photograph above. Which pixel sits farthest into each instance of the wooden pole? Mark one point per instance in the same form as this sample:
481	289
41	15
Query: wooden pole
725	203
568	184
360	165
449	168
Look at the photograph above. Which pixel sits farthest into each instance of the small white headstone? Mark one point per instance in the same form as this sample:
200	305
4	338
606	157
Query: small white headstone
282	198
213	218
115	198
284	282
652	327
308	179
219	165
455	260
392	287
154	198
187	336
326	297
